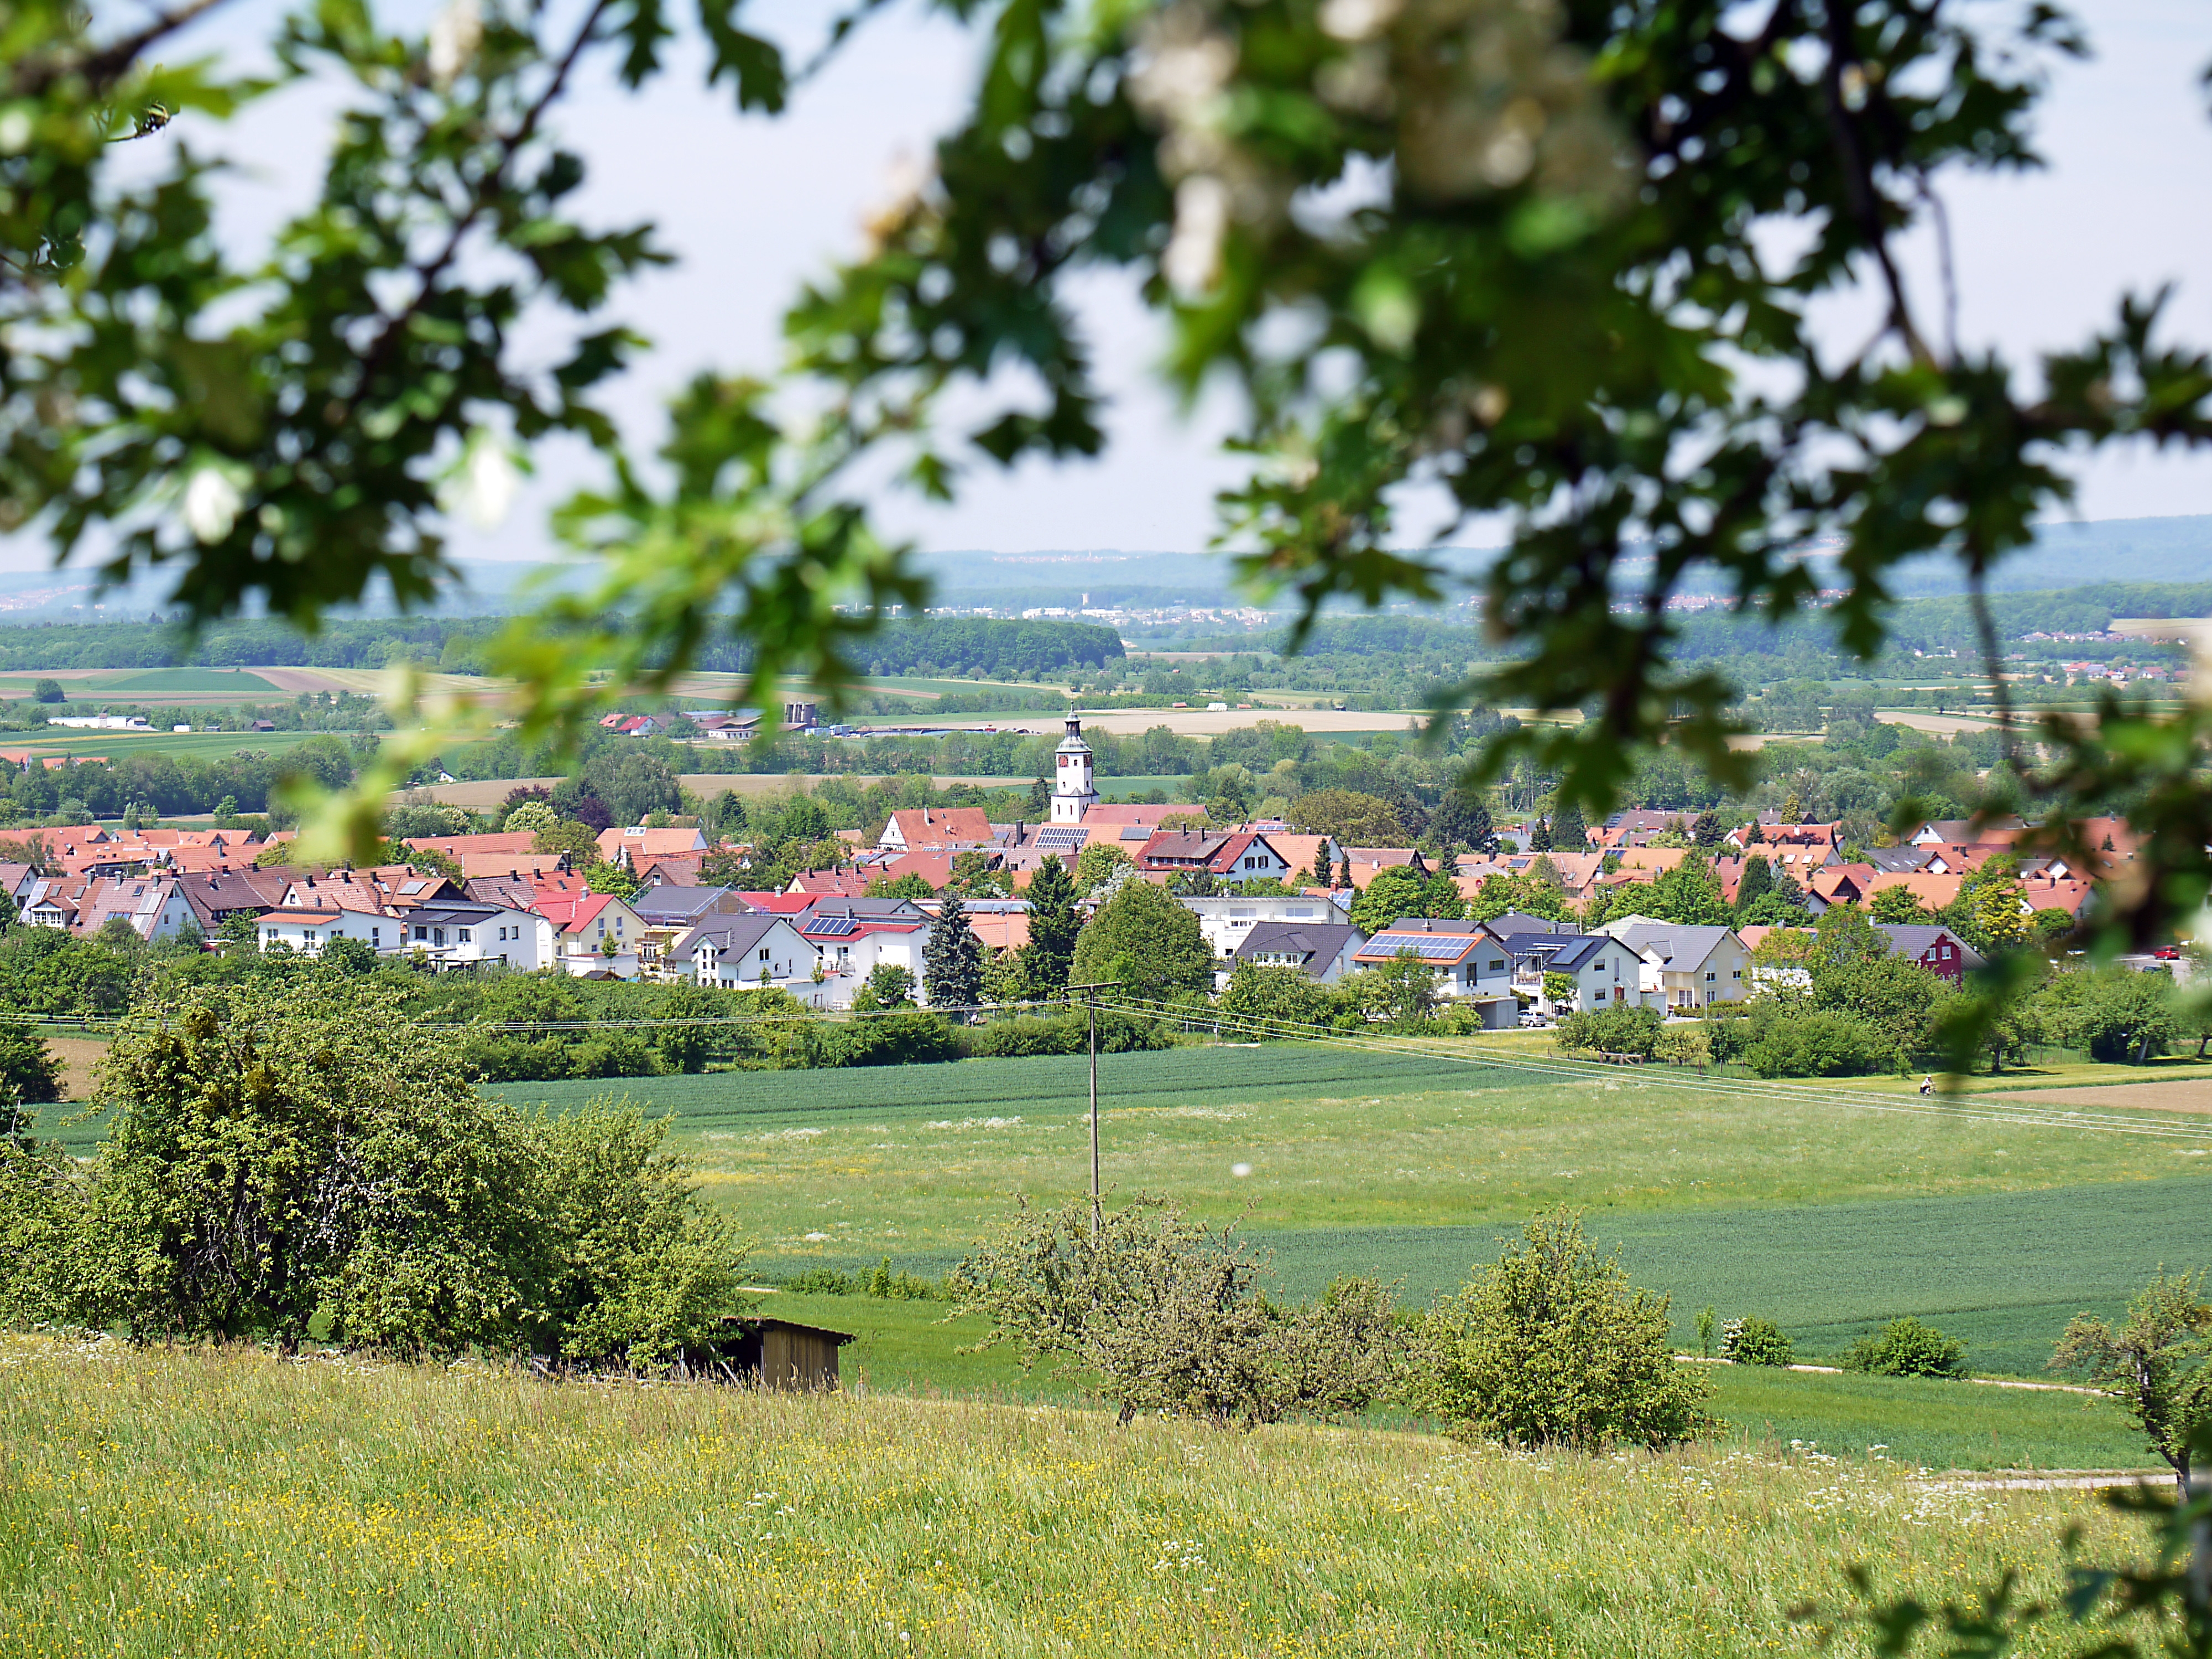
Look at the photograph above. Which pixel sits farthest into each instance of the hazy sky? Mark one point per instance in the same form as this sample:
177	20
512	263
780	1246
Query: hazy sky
753	206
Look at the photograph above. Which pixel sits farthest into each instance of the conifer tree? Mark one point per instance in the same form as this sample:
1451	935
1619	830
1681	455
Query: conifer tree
1053	923
953	961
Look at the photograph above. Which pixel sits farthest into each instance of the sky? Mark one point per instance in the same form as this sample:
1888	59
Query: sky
754	206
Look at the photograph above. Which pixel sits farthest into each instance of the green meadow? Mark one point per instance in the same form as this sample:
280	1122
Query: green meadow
1816	1207
918	1348
1821	1208
147	682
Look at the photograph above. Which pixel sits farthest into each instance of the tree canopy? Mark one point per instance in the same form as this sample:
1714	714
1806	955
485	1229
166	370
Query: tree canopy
1548	285
1144	937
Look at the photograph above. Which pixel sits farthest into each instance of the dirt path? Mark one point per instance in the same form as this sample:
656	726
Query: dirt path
2190	1095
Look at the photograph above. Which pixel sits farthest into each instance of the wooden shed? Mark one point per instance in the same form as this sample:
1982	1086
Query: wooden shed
775	1354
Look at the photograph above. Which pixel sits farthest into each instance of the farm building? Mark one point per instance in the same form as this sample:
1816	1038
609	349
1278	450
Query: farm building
772	1353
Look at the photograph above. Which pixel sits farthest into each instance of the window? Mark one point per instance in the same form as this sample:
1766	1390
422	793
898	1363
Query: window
1597	996
1947	953
1735	973
376	936
763	955
1496	967
1710	977
274	936
421	932
437	936
464	937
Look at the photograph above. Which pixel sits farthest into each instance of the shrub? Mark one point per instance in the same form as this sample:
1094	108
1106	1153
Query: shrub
1167	1314
1290	995
1061	1034
1613	1030
1905	1348
879	1281
27	1066
1552	1346
1804	1042
1755	1342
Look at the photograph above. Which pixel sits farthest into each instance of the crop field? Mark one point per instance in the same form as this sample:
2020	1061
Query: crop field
231	1504
1816	1207
136	684
196	745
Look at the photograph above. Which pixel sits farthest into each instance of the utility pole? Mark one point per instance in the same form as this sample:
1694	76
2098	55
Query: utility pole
1091	1004
1097	1215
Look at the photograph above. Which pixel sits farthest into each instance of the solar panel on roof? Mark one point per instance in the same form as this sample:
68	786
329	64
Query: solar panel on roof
832	925
1427	948
1062	836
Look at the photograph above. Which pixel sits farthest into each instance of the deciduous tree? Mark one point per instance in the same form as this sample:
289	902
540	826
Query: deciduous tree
1553	1347
1144	938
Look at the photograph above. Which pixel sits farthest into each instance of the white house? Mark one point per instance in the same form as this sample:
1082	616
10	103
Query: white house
744	953
851	936
1689	968
1468	959
1323	950
590	933
1226	921
307	929
1606	972
458	934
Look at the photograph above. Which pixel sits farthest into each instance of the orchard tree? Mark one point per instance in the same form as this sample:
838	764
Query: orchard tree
2155	1364
282	1149
1552	1346
1161	1314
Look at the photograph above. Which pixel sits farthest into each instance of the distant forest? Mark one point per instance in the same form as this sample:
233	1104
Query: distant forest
978	646
1933	626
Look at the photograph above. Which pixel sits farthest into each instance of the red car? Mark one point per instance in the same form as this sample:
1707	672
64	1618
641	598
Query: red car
2167	953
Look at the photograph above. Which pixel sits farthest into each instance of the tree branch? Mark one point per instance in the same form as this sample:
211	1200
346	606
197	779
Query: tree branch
1858	180
427	275
103	67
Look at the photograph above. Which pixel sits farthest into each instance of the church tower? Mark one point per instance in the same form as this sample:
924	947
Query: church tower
1072	793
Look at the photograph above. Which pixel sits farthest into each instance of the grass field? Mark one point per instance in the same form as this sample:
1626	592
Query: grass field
1819	1208
162	1503
916	1347
1799	1206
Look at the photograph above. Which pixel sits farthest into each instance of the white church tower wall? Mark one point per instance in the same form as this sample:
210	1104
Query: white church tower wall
1073	794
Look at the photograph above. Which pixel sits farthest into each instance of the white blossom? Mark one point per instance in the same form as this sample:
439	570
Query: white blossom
455	34
212	504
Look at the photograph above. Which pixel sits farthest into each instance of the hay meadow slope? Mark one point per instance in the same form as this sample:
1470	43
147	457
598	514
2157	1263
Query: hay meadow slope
235	1505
